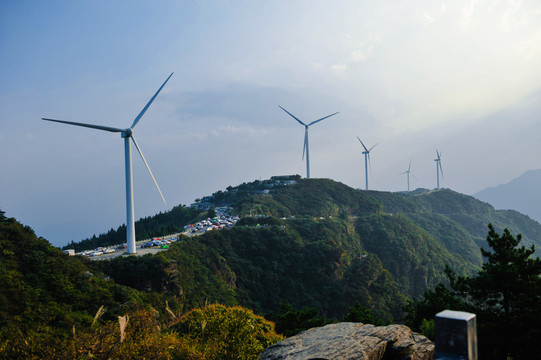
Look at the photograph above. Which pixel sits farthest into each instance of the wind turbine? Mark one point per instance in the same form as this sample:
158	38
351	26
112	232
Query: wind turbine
438	168
127	134
408	174
305	146
366	153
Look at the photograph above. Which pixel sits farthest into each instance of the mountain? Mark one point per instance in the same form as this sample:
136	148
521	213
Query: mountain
522	194
303	248
319	243
55	306
39	284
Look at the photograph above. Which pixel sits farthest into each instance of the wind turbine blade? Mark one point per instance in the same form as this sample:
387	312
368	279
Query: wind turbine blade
409	167
323	118
441	169
365	149
414	177
305	138
148	167
369	162
99	127
439	155
372	147
293	116
148	104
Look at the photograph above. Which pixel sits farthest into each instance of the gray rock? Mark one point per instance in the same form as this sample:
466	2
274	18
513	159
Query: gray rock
353	341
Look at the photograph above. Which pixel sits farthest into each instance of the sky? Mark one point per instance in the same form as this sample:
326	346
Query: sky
463	77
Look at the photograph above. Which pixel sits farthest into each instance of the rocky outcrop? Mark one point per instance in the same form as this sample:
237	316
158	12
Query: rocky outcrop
353	341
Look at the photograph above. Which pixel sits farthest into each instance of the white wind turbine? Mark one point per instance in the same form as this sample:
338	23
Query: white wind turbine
407	172
438	169
305	146
127	134
366	153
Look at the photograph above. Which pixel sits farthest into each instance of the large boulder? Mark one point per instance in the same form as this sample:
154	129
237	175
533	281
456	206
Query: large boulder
353	341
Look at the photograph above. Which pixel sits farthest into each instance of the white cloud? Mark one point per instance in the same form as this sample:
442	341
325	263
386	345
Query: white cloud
363	49
468	10
357	55
513	16
428	19
531	47
339	69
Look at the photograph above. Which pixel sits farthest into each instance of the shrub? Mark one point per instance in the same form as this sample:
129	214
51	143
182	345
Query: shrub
220	332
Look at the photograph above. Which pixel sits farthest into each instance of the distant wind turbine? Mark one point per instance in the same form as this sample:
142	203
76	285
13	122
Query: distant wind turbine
366	153
305	146
127	134
408	175
438	169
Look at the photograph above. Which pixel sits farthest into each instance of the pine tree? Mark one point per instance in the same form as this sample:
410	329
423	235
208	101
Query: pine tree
506	296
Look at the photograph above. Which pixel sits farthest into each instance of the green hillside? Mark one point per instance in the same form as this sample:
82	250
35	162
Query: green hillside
39	284
55	306
320	197
316	248
447	214
319	243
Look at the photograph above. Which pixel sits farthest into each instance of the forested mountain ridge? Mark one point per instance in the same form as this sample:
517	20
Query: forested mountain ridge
327	231
55	306
317	244
41	284
458	221
322	244
466	214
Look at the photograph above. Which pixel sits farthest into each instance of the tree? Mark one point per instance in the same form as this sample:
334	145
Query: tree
220	332
438	299
506	296
211	213
362	314
290	321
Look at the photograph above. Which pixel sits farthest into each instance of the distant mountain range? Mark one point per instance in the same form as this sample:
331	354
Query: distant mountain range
522	194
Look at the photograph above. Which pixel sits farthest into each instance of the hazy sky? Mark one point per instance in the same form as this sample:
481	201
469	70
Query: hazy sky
460	76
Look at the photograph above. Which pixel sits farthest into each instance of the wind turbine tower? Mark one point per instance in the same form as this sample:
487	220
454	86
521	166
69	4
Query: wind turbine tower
438	169
366	153
127	135
408	175
305	146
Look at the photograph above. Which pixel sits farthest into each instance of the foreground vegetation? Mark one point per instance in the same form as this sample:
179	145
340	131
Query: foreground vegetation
53	306
505	295
212	332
